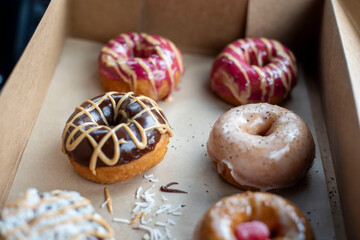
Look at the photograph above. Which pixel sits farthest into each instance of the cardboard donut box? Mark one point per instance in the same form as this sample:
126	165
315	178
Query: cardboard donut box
324	36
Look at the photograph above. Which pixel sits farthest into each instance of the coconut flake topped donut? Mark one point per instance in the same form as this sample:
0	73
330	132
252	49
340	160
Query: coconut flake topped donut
253	216
142	63
52	215
254	70
261	146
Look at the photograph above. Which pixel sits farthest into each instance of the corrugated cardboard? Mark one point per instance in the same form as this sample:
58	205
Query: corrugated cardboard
197	27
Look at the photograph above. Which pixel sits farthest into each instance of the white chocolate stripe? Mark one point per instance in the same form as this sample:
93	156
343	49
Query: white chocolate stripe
160	52
281	52
133	82
98	110
119	47
113	64
109	51
263	81
231	85
129	43
148	72
246	52
282	76
256	52
244	96
237	51
268	47
178	56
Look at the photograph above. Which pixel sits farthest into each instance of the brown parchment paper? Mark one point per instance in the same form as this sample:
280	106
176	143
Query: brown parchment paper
192	113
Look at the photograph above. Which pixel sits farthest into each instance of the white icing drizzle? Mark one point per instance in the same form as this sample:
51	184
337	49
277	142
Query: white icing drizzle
244	96
60	214
71	142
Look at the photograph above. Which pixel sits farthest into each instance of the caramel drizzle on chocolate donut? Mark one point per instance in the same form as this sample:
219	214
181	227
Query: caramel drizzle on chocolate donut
118	61
56	196
285	76
71	142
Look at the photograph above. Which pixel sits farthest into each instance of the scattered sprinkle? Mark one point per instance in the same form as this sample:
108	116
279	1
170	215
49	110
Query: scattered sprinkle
108	199
137	217
162	209
104	203
171	222
176	213
164	199
143	221
137	195
121	220
175	209
151	178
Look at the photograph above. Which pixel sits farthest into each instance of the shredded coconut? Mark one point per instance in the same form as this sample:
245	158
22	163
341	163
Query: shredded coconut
171	222
121	220
161	224
176	213
143	221
137	195
175	209
162	209
151	178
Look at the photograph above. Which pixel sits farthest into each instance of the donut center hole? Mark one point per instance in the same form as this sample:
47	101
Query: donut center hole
120	118
259	59
262	129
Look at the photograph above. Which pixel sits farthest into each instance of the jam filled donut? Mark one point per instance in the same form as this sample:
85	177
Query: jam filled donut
145	64
52	215
253	216
116	136
254	70
261	146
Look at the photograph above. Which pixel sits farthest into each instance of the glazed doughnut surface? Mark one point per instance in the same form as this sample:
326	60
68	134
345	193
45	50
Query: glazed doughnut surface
284	219
261	146
254	70
142	63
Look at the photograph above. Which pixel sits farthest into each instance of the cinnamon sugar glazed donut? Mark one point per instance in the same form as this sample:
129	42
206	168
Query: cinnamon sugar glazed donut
52	215
253	215
261	146
145	64
254	70
116	136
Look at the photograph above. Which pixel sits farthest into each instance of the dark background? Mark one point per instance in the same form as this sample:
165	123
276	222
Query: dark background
18	21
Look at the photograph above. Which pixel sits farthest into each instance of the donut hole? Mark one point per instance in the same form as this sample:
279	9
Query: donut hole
253	58
262	129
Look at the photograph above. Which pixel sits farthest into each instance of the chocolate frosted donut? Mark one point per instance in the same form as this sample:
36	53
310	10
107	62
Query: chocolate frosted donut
116	136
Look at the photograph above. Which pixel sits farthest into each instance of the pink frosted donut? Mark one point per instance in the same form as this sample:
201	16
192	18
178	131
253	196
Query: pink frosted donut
254	70
142	63
261	146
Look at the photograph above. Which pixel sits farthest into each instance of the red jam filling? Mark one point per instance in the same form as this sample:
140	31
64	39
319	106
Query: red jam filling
254	230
